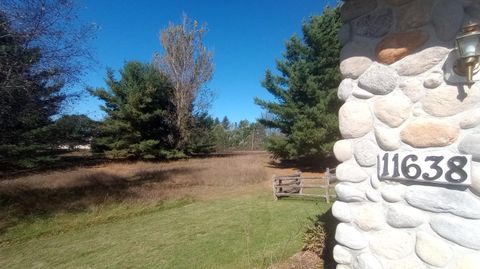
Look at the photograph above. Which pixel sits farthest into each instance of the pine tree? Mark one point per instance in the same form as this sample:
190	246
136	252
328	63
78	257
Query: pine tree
305	105
138	108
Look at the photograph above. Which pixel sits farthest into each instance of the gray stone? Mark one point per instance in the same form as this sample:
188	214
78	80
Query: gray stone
413	15
470	119
355	58
392	244
342	255
350	237
362	94
374	24
447	18
413	89
433	80
401	216
388	139
368	216
350	172
366	261
441	200
448	101
473	10
343	150
348	193
392	109
355	119
470	144
344	34
461	231
421	62
341	211
353	9
397	2
365	152
432	249
373	195
392	193
378	79
345	89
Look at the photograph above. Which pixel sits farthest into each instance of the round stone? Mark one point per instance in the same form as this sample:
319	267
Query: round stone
432	249
447	18
341	211
421	62
362	94
355	58
408	263
392	193
448	101
350	172
348	193
342	255
368	216
366	261
355	119
398	45
401	216
378	79
413	15
342	149
470	119
353	9
470	144
373	195
467	262
388	139
345	89
475	177
392	109
374	24
425	133
413	89
365	152
458	230
433	80
392	244
350	237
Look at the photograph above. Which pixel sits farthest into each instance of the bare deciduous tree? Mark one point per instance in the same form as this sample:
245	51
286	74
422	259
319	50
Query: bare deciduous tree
188	64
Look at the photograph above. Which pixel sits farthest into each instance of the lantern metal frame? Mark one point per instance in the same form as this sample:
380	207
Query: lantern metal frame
467	66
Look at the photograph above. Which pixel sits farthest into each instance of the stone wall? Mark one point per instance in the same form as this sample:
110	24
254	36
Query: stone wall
397	99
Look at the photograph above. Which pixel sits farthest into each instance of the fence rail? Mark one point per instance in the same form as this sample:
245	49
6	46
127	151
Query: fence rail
293	185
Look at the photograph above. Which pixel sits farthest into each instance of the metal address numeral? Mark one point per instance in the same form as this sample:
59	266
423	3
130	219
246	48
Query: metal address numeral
456	165
407	168
436	160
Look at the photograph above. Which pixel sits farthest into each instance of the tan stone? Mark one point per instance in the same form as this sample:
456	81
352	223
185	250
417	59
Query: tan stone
423	133
392	109
396	46
450	100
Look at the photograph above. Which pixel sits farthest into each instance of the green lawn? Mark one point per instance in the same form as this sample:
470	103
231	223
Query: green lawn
241	232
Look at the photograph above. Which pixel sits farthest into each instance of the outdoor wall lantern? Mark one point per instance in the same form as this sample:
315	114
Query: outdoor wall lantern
468	47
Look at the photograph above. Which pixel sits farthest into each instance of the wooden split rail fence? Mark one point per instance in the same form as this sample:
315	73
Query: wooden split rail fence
295	185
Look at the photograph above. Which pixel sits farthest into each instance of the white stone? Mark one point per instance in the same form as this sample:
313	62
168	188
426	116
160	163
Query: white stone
355	58
355	119
408	263
378	79
345	89
475	177
392	109
368	216
342	255
348	193
448	101
470	119
468	262
432	249
365	152
350	172
447	18
374	181
458	230
362	94
392	193
343	150
350	237
343	266
341	211
421	62
393	244
373	195
442	200
470	144
401	216
366	261
433	80
413	89
388	139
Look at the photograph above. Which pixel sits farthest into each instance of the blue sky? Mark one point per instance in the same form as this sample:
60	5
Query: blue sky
245	36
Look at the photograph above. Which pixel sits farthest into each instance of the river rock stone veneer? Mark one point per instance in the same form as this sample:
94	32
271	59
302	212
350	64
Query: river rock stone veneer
396	99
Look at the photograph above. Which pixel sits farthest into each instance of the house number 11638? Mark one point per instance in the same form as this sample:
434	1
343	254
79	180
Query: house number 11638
440	167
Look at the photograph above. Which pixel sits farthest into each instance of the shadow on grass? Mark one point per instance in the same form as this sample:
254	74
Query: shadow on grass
17	203
316	165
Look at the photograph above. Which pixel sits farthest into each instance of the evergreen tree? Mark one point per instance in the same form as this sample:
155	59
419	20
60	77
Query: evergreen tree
138	108
305	109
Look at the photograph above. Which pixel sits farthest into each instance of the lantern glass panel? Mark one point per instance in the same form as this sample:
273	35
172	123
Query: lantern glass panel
469	45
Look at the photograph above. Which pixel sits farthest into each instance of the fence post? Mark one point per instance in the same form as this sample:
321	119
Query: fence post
327	185
274	188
